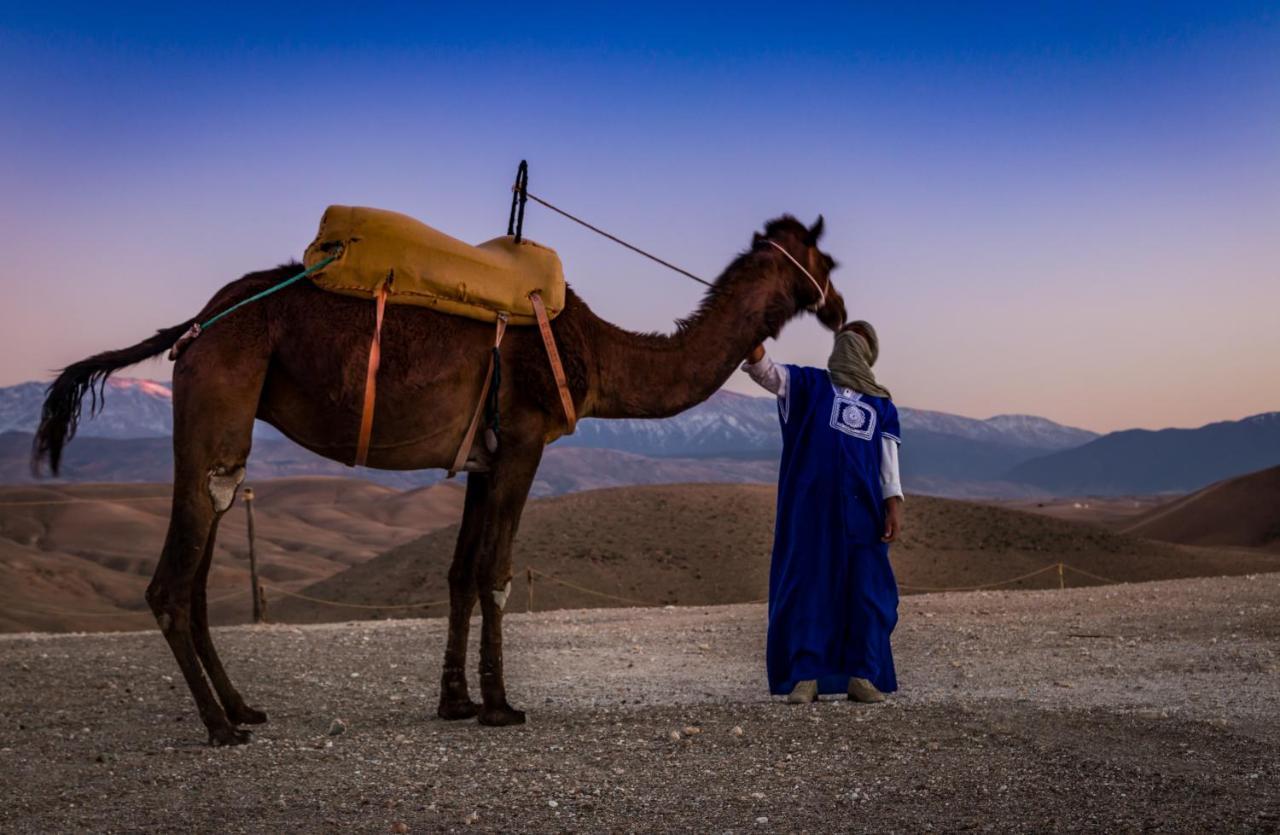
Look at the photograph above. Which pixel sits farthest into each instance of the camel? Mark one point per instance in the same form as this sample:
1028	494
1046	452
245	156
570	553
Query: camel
297	360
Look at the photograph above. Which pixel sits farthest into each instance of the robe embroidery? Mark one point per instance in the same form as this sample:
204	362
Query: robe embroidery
853	417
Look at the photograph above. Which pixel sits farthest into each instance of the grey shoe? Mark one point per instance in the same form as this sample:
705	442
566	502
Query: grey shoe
861	690
803	693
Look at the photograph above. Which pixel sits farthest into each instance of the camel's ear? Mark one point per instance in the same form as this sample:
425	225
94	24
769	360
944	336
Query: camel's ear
815	232
756	239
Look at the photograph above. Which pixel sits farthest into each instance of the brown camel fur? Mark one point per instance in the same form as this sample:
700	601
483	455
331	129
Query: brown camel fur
297	361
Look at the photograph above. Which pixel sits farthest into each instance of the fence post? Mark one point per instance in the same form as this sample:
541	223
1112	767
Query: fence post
1062	578
259	604
529	577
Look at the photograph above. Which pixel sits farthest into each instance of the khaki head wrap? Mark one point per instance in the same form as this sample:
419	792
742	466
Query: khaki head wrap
852	358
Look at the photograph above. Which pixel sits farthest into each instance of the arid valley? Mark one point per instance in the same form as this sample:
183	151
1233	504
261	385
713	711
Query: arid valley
1123	702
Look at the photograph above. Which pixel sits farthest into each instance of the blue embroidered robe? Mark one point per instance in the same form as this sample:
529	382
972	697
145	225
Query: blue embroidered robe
833	600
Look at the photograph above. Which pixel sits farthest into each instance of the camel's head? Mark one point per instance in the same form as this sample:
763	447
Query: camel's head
811	269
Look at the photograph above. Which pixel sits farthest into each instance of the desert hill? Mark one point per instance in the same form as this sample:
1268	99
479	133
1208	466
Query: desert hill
78	556
699	544
1242	511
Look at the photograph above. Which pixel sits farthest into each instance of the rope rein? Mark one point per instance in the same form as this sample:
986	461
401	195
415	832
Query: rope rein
822	293
520	191
535	198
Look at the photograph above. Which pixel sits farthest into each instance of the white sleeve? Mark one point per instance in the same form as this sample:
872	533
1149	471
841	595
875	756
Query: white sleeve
770	376
890	482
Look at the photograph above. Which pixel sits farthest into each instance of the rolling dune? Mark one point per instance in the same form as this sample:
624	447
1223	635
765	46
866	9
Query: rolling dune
1242	511
79	556
706	544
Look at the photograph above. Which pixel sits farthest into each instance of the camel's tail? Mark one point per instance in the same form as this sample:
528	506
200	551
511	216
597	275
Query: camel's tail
62	400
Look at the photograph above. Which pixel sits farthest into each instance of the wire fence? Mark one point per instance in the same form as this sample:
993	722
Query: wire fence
426	604
46	611
530	572
586	590
42	610
1060	567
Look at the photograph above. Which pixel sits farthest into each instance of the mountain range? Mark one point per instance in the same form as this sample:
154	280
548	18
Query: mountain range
138	409
730	438
739	426
1162	461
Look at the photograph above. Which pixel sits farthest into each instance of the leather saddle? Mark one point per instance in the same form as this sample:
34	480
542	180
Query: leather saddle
420	265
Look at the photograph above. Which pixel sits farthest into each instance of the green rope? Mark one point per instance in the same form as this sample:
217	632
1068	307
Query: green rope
308	271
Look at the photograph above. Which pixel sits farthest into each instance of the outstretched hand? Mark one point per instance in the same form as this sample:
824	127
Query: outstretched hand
892	519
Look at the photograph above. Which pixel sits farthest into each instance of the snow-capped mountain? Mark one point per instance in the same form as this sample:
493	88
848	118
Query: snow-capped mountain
1013	430
944	454
945	450
737	425
133	409
726	425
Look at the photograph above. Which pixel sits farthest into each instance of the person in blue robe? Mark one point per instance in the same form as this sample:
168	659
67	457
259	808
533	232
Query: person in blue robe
833	599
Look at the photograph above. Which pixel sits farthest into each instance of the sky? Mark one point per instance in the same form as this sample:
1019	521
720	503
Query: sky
1063	209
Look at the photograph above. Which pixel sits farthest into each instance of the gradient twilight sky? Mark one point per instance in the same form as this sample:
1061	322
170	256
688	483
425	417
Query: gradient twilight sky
1063	209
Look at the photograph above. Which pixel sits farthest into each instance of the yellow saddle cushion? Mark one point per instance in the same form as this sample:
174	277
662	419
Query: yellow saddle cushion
428	268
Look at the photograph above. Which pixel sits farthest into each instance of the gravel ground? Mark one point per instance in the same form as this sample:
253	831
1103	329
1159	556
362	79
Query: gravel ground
1147	706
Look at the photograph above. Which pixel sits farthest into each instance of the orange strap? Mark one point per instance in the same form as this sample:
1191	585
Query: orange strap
460	460
371	378
557	370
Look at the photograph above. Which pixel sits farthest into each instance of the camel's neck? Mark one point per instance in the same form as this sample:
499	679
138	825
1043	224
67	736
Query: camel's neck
653	376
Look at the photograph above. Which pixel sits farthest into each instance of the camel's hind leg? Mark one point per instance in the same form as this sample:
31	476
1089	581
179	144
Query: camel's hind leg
214	408
238	712
172	599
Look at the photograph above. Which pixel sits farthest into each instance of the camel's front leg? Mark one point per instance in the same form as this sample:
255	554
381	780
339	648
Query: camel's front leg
493	689
455	700
511	479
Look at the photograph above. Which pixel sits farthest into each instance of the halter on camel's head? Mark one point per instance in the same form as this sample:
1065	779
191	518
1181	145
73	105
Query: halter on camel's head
810	266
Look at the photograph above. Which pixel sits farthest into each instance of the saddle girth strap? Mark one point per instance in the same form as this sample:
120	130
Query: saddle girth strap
371	377
464	449
553	356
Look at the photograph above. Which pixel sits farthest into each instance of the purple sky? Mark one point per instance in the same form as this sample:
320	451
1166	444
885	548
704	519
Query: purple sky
1060	212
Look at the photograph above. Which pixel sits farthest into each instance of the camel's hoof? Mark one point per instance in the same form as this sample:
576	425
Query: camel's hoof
501	716
464	709
229	736
245	715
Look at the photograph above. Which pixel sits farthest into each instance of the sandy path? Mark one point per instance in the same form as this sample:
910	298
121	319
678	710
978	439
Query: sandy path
1125	707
